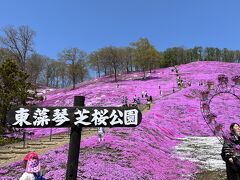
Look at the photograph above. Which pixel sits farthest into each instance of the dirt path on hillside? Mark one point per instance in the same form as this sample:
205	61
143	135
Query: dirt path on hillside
212	175
146	109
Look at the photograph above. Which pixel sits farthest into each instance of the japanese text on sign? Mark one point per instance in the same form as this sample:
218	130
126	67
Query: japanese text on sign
64	117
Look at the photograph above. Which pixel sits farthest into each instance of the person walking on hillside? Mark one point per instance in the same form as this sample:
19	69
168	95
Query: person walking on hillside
146	94
150	99
32	167
138	101
231	152
126	101
123	100
101	133
135	99
148	103
161	93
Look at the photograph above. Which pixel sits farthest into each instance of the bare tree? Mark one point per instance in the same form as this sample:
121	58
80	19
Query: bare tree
34	66
94	61
77	59
19	41
128	58
112	57
125	57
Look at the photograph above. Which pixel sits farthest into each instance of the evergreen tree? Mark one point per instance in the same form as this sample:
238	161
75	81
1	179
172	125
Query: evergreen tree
14	89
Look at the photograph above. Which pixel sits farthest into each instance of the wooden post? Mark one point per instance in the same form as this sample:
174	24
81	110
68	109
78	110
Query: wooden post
24	137
50	134
74	145
69	131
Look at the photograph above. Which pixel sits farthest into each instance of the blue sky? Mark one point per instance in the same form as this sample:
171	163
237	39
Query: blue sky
92	24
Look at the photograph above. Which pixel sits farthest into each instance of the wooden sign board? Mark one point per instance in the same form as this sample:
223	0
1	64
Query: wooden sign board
45	117
75	117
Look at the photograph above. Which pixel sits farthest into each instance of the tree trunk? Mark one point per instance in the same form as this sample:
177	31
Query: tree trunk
4	117
62	82
74	81
131	66
57	82
105	71
115	74
73	77
127	68
47	82
98	70
144	74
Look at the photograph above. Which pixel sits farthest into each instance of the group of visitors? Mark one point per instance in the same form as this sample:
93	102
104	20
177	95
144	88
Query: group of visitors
180	82
200	83
148	98
136	100
145	95
125	101
183	83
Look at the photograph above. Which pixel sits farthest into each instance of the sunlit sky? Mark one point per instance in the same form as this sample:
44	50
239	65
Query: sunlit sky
92	24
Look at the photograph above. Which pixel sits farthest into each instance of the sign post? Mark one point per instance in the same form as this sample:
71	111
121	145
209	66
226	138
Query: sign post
75	117
74	144
24	139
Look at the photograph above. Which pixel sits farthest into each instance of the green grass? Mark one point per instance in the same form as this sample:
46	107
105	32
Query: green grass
5	140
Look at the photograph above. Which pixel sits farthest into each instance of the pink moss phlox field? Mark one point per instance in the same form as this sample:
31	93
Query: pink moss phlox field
147	151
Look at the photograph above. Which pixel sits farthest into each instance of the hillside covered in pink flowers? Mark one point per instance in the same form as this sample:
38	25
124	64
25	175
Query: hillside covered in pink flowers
147	151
